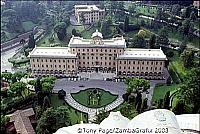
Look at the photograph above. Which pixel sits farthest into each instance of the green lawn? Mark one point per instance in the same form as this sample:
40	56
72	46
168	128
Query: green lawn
28	25
161	89
83	97
78	28
74	114
88	34
144	10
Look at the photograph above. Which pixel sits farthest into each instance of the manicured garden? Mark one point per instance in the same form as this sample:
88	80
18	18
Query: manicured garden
161	89
75	115
94	97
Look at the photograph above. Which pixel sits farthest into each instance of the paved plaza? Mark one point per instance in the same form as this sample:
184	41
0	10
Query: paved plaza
117	88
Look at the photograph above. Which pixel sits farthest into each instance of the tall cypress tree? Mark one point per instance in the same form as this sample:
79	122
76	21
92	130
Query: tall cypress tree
166	100
126	24
31	41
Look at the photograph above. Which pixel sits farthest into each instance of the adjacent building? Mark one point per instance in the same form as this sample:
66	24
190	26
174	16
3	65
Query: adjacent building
88	13
98	55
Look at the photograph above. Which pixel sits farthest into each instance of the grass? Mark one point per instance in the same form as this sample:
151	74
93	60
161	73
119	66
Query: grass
75	115
88	34
78	28
161	89
144	10
82	97
28	25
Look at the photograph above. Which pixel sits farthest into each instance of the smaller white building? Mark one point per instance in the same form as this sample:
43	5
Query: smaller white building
88	13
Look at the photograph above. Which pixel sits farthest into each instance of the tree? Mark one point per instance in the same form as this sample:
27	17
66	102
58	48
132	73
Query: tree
31	41
53	119
193	16
60	29
138	106
186	27
152	41
163	38
38	85
182	46
101	116
18	75
188	58
18	88
179	108
46	103
4	120
139	41
126	24
189	91
138	99
132	8
159	103
6	75
166	100
159	14
49	79
176	9
47	88
144	105
128	110
61	94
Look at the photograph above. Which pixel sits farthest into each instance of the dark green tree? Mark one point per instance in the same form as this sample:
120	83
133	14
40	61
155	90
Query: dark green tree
152	41
60	29
144	105
31	41
188	58
101	116
46	103
166	100
163	38
61	94
18	88
126	24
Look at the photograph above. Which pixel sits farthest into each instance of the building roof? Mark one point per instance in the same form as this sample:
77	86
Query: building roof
97	34
86	8
22	122
53	52
118	42
155	120
189	121
146	54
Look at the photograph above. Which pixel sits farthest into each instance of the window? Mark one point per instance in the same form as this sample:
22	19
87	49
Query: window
83	50
105	63
142	68
63	60
160	68
33	60
105	50
151	68
83	57
88	58
88	50
110	50
54	60
92	50
46	60
96	58
137	67
124	67
87	62
114	50
37	60
133	67
96	50
138	62
119	67
68	66
73	49
160	63
156	63
59	66
63	66
33	65
79	50
146	68
38	65
155	68
152	63
72	66
41	60
120	62
143	63
124	62
46	65
83	62
133	62
109	58
129	68
109	63
55	65
51	66
92	57
114	63
101	50
147	63
59	61
101	58
72	61
105	58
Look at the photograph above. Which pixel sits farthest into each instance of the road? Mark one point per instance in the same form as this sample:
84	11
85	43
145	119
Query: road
5	65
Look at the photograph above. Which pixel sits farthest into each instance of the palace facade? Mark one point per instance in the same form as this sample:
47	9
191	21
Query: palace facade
91	13
98	55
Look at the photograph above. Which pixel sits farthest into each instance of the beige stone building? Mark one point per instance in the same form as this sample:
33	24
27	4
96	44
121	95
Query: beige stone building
98	55
91	13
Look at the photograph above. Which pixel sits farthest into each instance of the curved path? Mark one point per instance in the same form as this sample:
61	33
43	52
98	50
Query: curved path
117	88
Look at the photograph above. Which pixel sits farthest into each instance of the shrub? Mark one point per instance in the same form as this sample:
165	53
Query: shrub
170	54
125	96
61	94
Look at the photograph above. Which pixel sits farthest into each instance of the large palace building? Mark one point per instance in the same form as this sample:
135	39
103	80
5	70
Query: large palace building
98	55
91	13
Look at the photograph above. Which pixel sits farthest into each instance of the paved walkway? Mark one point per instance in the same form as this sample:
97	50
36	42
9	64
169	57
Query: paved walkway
117	88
